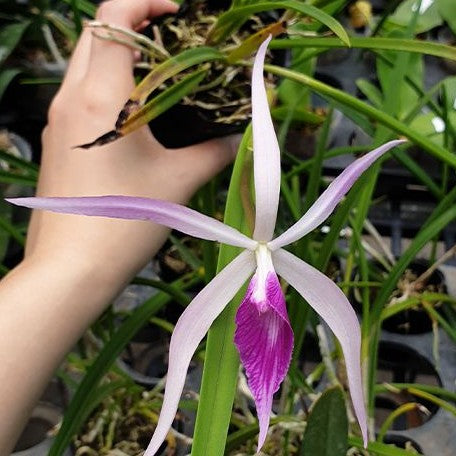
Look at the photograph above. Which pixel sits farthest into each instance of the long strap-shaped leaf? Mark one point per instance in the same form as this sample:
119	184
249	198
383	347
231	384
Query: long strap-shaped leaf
171	67
373	113
230	21
10	35
162	102
253	42
378	43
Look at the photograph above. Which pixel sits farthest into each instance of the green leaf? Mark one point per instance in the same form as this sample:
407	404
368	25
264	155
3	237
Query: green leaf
338	220
413	302
435	390
10	35
421	174
398	95
6	76
253	42
428	18
429	125
371	92
373	113
7	177
230	21
85	6
63	25
162	102
449	86
7	227
298	115
171	67
377	43
222	360
326	432
19	163
380	449
447	9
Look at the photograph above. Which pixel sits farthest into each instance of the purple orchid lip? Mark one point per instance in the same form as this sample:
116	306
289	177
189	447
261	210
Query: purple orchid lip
263	336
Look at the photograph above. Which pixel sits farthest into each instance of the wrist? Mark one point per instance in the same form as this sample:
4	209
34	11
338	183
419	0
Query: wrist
80	277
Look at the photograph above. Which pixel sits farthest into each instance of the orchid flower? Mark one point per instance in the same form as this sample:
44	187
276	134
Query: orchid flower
263	336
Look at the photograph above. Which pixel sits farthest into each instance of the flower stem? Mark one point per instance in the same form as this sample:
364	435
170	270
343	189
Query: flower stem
222	362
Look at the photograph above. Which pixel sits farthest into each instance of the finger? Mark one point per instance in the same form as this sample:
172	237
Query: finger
79	61
142	25
203	161
111	62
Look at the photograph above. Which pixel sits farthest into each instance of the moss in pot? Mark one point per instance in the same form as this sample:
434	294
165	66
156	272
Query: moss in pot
123	424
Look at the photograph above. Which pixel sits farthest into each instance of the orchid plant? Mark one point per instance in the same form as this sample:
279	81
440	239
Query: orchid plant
263	336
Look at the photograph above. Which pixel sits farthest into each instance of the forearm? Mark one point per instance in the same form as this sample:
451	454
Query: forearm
45	306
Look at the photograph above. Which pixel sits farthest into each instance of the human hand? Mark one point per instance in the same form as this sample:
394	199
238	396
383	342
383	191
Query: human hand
74	265
98	82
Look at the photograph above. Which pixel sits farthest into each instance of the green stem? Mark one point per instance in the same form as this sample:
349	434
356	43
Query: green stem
404	408
222	362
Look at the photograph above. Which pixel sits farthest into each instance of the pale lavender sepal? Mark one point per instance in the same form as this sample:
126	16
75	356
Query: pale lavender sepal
328	200
164	213
327	299
264	339
266	154
190	330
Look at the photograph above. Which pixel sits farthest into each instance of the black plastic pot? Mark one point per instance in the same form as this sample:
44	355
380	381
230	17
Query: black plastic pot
24	107
437	436
310	355
37	436
146	363
183	125
36	439
402	442
399	363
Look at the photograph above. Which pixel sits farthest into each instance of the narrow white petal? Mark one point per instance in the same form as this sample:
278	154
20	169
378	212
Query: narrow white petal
327	299
328	200
266	154
165	213
190	330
